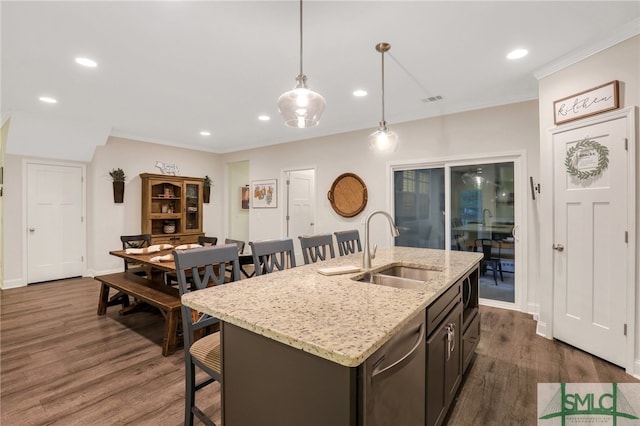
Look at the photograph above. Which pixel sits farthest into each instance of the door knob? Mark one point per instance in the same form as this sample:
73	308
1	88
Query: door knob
32	229
558	247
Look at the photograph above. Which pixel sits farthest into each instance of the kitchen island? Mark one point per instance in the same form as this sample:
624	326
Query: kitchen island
295	342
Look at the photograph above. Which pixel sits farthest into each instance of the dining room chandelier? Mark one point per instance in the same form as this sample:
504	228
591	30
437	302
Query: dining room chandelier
301	107
383	140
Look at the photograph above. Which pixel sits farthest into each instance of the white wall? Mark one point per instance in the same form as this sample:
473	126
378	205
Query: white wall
4	131
620	62
107	221
238	219
501	129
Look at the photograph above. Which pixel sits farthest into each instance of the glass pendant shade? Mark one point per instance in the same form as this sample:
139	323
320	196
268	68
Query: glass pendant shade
383	140
301	107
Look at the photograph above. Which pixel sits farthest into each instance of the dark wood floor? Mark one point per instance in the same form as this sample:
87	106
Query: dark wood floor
62	364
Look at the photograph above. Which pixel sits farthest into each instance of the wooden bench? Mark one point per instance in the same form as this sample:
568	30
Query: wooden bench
159	295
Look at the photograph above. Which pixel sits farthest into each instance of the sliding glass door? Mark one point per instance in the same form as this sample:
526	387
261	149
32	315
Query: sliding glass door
419	203
468	207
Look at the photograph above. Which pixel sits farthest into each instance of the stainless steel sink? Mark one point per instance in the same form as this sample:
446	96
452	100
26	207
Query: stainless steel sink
398	277
418	274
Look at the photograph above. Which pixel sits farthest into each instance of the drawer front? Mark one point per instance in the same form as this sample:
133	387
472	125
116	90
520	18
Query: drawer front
439	309
470	340
176	239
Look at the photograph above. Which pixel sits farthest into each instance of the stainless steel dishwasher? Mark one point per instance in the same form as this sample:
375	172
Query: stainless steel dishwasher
392	380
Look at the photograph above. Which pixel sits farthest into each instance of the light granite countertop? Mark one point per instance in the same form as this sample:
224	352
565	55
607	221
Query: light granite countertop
333	317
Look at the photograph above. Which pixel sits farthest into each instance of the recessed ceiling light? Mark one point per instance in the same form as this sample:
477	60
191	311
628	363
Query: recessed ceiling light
517	54
205	133
87	62
48	100
360	93
264	117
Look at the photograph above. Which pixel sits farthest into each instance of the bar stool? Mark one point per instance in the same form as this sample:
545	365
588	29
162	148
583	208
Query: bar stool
202	266
272	255
348	241
315	247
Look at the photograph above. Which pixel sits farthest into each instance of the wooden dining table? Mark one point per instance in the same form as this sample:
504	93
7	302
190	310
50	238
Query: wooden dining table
150	290
157	269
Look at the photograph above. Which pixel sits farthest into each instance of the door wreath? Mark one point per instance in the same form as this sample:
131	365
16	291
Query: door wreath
582	152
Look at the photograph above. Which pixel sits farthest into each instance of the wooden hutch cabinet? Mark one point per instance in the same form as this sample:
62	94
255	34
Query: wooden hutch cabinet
171	208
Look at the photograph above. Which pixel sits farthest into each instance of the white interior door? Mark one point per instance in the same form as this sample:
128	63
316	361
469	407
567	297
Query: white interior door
590	225
301	207
55	229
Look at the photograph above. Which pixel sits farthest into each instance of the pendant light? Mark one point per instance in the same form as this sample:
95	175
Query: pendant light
301	107
383	140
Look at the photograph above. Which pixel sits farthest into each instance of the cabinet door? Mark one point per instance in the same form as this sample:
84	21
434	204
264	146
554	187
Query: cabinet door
193	204
444	366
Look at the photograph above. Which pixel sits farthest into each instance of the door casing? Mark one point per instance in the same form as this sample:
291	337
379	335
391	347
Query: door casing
519	160
545	323
25	202
292	224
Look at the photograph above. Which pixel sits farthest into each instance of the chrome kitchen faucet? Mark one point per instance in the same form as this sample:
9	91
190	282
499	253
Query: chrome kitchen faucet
367	256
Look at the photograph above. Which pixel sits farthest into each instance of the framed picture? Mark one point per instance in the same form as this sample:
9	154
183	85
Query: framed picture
245	197
584	104
264	193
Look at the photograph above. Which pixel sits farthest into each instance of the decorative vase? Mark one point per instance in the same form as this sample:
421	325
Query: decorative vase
169	227
206	194
118	192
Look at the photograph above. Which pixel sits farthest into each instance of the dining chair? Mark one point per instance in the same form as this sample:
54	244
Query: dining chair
315	247
348	241
202	266
204	241
490	258
272	255
135	241
131	241
239	243
170	277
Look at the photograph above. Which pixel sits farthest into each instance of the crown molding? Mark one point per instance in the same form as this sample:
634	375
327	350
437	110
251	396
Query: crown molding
625	32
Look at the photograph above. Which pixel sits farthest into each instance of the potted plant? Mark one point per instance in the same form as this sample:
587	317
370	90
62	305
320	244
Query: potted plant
118	177
206	190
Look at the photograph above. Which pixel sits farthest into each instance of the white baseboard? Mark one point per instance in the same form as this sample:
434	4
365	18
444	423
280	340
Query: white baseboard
542	330
636	369
92	273
19	282
7	284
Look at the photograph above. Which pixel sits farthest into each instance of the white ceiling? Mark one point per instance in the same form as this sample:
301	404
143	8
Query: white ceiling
168	70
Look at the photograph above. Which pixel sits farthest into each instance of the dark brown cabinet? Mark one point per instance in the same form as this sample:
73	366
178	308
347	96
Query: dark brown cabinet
413	378
470	316
453	333
171	208
444	369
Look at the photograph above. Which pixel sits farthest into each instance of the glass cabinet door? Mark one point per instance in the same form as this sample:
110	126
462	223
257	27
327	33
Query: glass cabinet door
193	216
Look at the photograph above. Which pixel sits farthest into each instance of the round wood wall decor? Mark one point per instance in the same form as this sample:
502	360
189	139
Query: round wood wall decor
348	195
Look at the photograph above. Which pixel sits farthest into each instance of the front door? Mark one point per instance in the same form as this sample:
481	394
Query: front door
55	229
590	225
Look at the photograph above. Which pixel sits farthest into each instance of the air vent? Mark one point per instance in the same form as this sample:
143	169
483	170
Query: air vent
432	99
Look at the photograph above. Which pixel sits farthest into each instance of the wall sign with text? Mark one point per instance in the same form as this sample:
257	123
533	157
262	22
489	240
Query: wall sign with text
590	102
